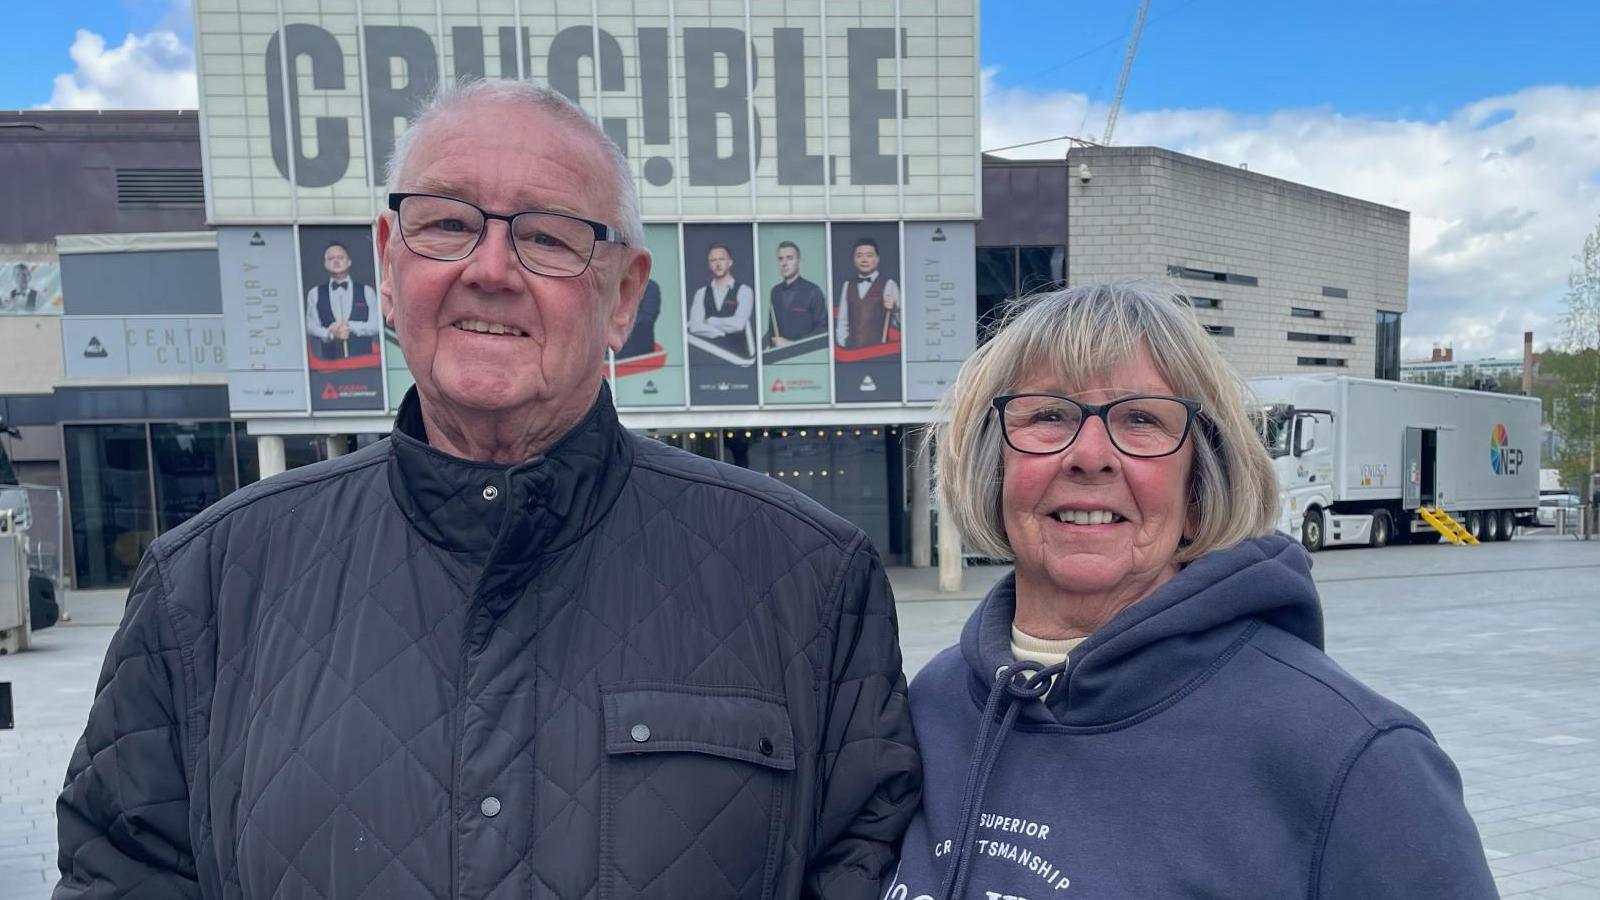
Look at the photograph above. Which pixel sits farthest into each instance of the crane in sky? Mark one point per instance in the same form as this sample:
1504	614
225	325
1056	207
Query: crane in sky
1127	66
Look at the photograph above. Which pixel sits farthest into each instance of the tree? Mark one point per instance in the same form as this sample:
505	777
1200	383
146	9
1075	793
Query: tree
1580	324
1564	385
1580	327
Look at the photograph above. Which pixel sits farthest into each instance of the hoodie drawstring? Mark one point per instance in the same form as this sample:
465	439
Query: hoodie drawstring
1023	680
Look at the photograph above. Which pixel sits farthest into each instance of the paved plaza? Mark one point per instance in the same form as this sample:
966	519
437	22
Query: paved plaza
1494	646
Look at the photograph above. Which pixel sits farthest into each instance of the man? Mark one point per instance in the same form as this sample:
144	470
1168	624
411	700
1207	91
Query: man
720	311
513	650
798	310
339	310
21	298
867	302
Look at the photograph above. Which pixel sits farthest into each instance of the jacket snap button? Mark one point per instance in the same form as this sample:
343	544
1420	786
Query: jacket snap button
765	746
490	806
640	733
490	492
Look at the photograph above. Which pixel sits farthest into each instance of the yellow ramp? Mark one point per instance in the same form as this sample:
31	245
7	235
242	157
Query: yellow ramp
1453	531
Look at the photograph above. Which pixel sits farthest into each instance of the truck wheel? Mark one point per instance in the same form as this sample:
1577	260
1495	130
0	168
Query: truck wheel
1475	524
1491	526
1380	529
1508	525
1311	530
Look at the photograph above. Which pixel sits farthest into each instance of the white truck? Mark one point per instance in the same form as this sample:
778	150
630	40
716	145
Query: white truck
1550	482
1357	458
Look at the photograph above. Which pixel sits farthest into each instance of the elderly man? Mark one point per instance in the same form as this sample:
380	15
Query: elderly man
513	650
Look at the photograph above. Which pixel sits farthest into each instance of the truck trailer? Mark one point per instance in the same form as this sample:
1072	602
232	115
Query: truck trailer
1358	459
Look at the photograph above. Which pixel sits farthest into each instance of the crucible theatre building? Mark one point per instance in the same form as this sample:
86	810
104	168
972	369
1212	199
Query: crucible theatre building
809	175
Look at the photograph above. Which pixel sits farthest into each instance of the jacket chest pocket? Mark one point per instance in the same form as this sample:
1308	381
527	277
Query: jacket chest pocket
694	791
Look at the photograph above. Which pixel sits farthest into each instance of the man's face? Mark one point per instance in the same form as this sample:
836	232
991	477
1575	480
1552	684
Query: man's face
547	360
336	261
719	262
788	263
866	259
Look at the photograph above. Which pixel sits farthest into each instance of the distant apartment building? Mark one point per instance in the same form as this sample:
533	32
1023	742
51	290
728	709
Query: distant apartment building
1443	369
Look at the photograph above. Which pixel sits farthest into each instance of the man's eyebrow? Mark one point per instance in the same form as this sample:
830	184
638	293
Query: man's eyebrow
520	204
435	186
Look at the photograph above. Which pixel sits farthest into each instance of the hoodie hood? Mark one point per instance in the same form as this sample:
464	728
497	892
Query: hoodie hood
1197	620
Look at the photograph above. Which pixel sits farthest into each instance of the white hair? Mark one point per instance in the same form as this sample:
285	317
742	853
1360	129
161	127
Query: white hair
454	95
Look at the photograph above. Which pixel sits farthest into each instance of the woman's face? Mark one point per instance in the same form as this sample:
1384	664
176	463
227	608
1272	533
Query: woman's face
1116	562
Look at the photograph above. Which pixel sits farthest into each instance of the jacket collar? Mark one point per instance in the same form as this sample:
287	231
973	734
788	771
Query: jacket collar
538	506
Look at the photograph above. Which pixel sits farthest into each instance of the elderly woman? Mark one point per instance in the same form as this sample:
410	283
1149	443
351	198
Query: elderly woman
1143	708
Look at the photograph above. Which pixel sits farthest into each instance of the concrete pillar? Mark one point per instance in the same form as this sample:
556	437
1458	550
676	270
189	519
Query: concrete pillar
337	445
921	515
949	551
269	451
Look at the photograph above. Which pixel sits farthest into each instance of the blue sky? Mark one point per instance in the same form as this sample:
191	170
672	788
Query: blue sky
1482	119
43	32
1414	59
1417	59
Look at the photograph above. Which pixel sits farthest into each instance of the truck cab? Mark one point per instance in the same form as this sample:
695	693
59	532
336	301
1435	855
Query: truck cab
1300	441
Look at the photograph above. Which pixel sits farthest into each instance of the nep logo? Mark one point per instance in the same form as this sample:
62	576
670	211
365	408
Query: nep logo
1503	458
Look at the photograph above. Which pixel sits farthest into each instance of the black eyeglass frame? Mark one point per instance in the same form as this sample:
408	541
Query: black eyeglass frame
1096	411
602	231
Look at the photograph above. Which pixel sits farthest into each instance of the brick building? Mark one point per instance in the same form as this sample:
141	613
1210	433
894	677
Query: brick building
1289	278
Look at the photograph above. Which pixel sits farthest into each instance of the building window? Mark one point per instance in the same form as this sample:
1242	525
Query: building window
996	283
1208	275
1219	330
248	453
194	468
1007	272
108	497
1040	268
1204	302
128	482
1321	338
1303	312
1387	363
1320	361
1341	293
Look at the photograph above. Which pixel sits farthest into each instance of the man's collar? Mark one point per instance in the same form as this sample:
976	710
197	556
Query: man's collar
537	505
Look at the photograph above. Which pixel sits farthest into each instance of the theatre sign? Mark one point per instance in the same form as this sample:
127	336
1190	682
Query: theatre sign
827	120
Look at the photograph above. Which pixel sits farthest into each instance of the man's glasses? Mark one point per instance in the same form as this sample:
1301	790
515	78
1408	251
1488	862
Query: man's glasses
546	243
1145	427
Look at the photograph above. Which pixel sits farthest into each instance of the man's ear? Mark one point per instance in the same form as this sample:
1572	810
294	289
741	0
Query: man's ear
386	233
631	282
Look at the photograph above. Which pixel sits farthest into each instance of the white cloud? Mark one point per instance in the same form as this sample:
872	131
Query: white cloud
149	71
1501	193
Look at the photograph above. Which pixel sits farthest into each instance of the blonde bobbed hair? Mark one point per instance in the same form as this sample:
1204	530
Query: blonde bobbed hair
1077	335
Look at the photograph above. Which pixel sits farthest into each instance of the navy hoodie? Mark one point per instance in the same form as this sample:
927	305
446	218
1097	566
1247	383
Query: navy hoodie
1200	744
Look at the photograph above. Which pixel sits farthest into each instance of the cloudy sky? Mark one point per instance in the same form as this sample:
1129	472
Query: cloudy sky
1481	119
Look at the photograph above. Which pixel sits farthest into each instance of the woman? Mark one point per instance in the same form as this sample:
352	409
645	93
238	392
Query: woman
1143	708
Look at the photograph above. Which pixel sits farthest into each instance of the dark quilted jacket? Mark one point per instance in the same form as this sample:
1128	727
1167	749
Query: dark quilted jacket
617	670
